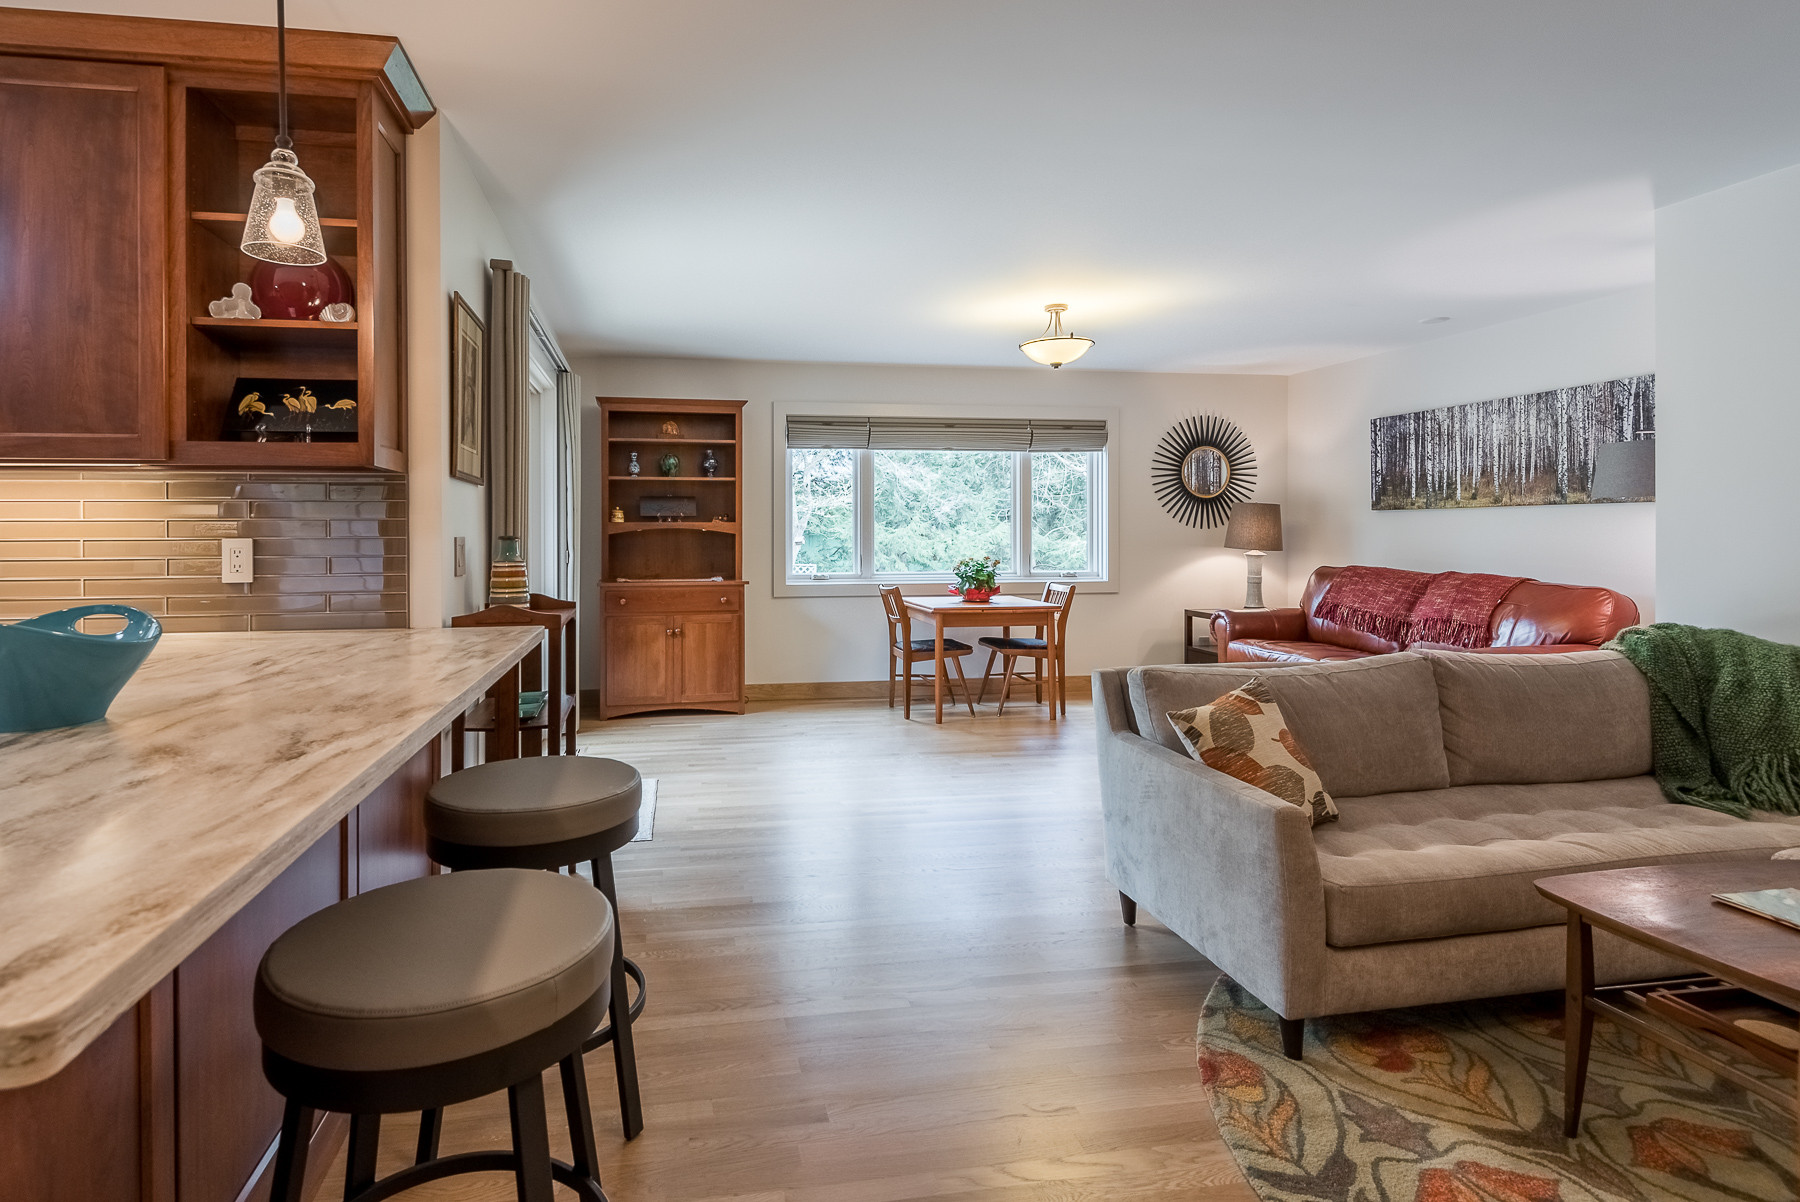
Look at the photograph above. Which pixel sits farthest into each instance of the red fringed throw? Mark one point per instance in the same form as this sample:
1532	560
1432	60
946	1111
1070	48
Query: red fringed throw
1377	601
1415	607
1458	608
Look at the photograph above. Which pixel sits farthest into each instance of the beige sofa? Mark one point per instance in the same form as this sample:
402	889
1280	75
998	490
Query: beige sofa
1461	779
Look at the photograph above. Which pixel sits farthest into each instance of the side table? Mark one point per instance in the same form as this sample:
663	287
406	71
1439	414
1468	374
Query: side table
1198	649
1670	908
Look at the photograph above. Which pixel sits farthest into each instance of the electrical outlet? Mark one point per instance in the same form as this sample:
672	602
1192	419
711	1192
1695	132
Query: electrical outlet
460	546
237	560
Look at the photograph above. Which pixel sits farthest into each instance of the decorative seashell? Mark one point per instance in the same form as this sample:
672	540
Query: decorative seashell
338	312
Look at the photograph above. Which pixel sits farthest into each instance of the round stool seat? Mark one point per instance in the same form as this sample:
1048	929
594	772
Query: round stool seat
434	970
537	800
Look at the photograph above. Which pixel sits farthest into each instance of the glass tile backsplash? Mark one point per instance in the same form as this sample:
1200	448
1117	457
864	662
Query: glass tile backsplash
330	550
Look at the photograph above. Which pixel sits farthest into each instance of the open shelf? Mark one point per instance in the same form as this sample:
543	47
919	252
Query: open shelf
659	439
630	527
678	479
269	334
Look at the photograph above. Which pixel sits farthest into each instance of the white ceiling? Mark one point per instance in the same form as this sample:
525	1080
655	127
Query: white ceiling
1210	185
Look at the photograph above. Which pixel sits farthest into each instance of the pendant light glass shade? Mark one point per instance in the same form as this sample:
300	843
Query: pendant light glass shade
1056	348
283	225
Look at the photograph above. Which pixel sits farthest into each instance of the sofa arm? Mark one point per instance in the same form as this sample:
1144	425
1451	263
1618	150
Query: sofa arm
1231	869
1228	624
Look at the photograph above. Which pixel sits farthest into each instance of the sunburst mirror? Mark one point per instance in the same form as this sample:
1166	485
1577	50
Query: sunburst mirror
1203	467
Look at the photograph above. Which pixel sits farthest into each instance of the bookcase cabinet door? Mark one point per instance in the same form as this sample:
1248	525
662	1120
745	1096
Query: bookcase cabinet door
640	660
711	657
84	270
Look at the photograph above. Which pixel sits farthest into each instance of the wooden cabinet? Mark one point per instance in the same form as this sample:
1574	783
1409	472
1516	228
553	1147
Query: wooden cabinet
169	1104
83	259
672	587
130	144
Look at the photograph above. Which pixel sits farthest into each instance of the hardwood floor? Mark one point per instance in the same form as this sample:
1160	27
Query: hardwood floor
885	964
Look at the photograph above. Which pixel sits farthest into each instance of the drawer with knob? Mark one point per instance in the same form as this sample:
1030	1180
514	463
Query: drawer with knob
725	597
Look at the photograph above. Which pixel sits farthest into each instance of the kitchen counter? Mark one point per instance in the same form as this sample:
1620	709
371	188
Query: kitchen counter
125	844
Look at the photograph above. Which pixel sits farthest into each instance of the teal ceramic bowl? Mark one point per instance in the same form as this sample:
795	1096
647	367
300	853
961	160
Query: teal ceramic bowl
51	674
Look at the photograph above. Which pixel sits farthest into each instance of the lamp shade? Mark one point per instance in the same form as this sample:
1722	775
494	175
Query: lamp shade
1054	352
1254	527
283	223
1624	471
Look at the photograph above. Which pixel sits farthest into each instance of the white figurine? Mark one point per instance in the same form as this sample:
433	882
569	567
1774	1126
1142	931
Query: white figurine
338	312
238	304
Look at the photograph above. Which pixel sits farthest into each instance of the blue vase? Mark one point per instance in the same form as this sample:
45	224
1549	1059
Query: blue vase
51	674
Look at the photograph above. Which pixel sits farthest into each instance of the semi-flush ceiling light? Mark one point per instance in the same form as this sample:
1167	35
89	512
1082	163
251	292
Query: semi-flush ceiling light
283	223
1056	348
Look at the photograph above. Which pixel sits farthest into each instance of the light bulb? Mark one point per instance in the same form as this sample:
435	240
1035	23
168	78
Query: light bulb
285	225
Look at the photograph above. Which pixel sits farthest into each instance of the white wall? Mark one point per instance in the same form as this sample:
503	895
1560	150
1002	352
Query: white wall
1728	407
1161	567
453	231
1328	518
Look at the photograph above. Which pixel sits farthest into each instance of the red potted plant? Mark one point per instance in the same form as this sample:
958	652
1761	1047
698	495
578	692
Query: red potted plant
976	579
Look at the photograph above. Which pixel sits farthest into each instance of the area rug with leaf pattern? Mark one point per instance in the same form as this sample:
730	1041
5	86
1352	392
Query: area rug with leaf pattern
1463	1103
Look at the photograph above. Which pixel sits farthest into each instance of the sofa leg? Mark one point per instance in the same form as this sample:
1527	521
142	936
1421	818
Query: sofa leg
1293	1036
1128	908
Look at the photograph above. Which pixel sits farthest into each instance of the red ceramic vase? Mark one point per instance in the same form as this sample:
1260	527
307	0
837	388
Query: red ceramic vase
976	595
287	293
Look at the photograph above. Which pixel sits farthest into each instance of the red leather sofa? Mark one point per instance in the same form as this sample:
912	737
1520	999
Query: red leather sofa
1532	617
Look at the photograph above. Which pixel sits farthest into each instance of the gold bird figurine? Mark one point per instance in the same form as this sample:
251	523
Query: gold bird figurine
346	403
252	404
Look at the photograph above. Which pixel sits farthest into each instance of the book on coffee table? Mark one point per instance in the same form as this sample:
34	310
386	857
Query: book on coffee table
1783	905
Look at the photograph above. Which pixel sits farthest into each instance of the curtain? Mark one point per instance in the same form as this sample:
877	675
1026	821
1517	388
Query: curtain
568	445
509	379
947	433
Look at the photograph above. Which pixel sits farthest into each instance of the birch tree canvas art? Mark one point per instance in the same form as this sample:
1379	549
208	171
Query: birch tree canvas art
1534	449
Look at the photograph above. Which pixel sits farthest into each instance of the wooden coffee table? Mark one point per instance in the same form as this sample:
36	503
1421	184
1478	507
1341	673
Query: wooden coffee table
1670	908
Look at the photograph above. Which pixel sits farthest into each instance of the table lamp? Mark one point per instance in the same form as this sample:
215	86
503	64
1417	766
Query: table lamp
1253	529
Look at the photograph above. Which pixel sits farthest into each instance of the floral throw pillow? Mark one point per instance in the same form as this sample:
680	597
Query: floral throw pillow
1243	734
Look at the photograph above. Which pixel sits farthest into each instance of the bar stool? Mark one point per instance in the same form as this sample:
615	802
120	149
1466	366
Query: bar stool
551	812
430	992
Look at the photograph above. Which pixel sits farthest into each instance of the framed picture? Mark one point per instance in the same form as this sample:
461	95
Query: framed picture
468	393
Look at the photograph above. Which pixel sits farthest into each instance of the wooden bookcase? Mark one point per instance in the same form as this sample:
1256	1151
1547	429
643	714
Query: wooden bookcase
671	590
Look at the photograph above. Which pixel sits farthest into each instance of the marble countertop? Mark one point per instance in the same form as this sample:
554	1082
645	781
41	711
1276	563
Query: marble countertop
126	843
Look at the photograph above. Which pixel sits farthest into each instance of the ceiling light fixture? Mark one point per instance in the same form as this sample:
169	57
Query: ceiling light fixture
283	223
1055	348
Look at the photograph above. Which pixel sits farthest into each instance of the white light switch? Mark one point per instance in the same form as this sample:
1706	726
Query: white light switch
236	560
461	547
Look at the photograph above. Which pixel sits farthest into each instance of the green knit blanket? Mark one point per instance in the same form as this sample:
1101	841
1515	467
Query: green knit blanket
1724	716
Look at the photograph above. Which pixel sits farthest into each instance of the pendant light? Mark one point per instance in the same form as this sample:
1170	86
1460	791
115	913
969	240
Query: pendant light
283	223
1054	348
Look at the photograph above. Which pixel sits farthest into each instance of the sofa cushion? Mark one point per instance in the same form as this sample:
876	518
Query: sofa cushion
1461	861
1282	651
1526	719
1244	735
1370	725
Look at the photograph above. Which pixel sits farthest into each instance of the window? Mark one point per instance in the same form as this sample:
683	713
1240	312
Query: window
873	513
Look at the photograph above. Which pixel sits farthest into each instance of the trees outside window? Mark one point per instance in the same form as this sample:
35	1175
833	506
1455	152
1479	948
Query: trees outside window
884	514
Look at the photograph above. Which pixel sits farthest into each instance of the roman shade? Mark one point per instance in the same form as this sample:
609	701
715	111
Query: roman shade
807	431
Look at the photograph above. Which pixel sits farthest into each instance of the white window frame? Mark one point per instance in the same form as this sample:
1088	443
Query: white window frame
1103	503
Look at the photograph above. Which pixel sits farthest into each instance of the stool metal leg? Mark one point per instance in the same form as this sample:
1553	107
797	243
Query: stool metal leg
531	1140
631	1106
431	1126
583	1154
290	1156
359	1162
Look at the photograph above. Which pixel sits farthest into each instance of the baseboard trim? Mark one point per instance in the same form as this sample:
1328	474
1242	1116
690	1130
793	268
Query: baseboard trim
1080	688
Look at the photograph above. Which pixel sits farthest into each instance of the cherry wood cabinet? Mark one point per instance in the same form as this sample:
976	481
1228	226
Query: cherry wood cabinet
83	223
672	589
130	144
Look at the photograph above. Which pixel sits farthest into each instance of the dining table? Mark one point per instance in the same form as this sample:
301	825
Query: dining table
951	611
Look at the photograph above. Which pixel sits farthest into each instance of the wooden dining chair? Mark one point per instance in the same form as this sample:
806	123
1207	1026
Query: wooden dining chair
1037	650
904	651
